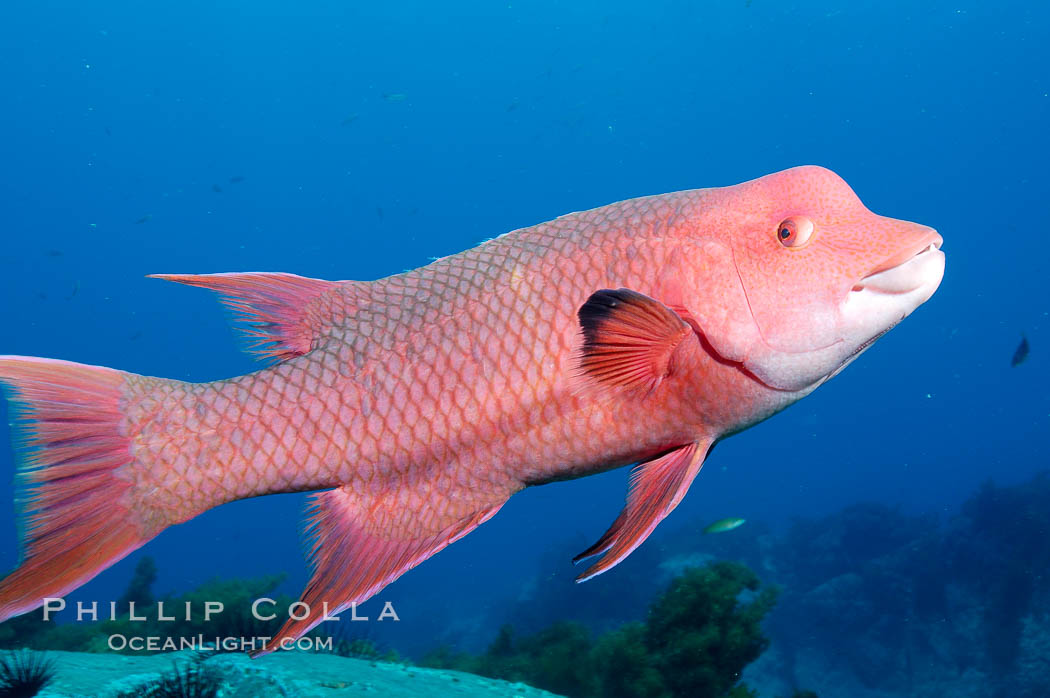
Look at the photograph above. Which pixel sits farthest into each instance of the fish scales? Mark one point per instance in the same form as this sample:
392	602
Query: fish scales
453	373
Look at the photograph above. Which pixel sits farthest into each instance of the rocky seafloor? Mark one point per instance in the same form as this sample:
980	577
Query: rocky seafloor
874	602
299	674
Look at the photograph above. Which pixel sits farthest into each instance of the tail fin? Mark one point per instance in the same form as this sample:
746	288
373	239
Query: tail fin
72	488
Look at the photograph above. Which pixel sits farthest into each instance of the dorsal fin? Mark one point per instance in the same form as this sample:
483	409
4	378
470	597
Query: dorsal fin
283	314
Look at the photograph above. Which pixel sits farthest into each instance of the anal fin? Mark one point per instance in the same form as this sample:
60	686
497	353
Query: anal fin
363	541
657	486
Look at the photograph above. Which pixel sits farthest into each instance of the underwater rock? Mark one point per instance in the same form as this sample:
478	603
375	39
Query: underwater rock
300	674
880	604
875	603
1033	658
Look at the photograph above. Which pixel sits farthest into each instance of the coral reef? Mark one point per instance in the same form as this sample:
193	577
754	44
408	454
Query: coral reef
875	603
702	635
886	604
698	637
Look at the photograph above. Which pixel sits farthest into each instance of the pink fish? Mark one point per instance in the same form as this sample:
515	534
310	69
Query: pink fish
639	332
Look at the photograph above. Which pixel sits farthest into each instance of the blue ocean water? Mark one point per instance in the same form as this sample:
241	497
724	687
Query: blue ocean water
353	141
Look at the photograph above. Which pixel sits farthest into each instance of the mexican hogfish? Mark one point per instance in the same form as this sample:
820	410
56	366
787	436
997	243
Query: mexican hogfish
639	332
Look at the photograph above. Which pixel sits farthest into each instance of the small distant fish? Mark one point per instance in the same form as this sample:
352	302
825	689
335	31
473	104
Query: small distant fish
379	212
395	97
76	289
109	132
53	253
351	118
723	525
216	188
236	179
513	105
1021	353
144	218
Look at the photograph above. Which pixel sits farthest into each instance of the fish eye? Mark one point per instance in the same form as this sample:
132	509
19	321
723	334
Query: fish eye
795	231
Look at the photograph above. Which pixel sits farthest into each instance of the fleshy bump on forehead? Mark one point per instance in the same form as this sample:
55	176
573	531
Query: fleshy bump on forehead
842	250
809	185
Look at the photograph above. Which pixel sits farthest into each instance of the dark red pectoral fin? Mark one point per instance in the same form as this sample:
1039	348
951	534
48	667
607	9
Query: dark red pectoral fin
631	341
657	486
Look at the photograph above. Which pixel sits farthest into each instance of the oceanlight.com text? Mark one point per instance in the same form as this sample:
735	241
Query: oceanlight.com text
153	643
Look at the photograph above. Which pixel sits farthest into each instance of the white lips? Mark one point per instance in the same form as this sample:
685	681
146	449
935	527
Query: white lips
907	277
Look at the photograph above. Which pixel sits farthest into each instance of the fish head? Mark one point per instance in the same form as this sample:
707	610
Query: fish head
822	277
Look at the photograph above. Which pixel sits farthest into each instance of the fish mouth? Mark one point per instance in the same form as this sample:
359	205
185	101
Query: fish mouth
890	292
904	272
